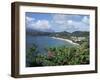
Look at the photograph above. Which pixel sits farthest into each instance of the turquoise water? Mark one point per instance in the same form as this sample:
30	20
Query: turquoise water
43	42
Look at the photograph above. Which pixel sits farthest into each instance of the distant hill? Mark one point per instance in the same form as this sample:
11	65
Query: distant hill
63	34
36	32
80	33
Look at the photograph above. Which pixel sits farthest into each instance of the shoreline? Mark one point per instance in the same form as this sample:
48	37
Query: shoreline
67	40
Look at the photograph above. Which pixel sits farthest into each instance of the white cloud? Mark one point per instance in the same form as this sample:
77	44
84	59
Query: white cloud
29	19
85	19
42	24
80	24
70	22
59	22
59	18
32	23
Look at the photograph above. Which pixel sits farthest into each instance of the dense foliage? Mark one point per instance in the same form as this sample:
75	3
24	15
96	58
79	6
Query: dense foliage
61	55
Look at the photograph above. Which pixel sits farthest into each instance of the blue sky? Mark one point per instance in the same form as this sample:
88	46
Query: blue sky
57	22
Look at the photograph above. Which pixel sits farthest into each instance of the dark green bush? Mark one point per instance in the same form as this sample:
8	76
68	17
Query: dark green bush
62	55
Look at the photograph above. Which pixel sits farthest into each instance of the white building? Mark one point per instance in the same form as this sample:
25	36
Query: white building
77	38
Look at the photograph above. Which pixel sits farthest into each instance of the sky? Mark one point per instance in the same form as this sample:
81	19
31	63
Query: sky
54	22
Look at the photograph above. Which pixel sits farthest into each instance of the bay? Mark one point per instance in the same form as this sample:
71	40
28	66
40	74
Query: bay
43	42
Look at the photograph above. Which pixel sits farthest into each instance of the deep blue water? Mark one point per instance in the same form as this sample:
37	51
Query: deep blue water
43	42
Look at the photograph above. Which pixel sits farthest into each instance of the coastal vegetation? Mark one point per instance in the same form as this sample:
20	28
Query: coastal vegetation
76	36
60	55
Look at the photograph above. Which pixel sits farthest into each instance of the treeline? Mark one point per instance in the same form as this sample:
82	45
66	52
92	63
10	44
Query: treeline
69	35
63	34
37	33
61	55
80	33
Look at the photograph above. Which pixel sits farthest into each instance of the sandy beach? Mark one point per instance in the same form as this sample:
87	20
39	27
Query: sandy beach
65	40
